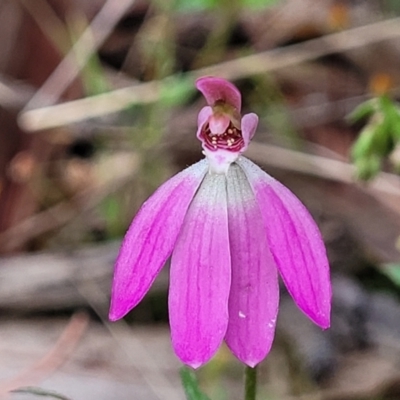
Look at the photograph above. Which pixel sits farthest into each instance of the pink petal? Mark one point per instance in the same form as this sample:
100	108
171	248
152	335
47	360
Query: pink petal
200	276
203	117
151	238
248	125
295	243
218	89
219	123
254	297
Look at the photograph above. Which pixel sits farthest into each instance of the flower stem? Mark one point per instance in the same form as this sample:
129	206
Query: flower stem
250	383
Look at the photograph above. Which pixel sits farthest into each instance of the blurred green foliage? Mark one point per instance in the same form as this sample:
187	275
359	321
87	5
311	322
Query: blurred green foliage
196	5
378	138
176	90
392	6
93	77
112	213
392	271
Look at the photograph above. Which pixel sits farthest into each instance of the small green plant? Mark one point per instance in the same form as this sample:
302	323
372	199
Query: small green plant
379	137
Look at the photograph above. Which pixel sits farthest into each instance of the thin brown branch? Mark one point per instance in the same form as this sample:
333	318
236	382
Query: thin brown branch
117	100
69	68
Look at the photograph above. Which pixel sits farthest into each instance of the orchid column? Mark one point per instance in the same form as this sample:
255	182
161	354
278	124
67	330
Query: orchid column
230	229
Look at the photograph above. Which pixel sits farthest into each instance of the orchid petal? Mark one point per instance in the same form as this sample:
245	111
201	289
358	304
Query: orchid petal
219	123
151	238
203	117
218	89
295	243
254	297
248	125
200	276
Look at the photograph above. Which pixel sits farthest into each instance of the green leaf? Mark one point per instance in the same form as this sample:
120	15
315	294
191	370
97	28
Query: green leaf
392	271
396	126
191	385
363	110
368	167
392	113
384	103
364	144
383	143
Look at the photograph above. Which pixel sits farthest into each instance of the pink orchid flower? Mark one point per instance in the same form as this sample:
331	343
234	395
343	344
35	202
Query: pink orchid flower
230	228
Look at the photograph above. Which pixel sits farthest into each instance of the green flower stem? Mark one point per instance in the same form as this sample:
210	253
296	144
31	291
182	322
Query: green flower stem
250	383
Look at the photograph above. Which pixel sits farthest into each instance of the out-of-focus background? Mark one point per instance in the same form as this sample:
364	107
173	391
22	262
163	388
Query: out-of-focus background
97	108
